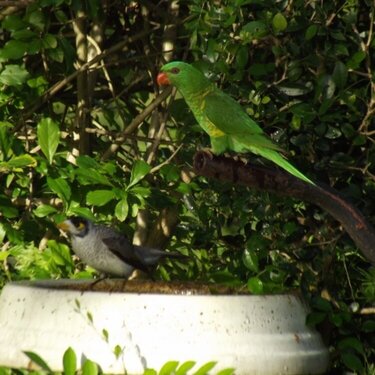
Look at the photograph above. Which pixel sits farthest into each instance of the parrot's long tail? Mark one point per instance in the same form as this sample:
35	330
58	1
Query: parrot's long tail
283	163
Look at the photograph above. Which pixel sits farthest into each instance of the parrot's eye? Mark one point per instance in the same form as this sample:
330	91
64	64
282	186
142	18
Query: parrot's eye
175	70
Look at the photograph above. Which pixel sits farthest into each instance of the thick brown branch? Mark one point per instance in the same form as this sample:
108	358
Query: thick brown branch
282	183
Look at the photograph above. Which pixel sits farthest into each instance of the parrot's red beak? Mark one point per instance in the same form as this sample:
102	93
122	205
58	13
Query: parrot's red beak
162	79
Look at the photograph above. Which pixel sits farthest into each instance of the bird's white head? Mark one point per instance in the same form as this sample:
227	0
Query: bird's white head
75	226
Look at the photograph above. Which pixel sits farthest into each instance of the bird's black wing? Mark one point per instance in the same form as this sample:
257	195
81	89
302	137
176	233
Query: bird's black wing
119	245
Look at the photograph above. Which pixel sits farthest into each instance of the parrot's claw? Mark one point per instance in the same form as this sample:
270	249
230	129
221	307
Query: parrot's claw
208	152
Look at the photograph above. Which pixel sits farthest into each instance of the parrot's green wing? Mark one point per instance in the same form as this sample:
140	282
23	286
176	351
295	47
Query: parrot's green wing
229	117
244	133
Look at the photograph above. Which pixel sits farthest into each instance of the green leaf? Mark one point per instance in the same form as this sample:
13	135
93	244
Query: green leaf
100	197
368	326
184	368
7	208
25	35
168	368
48	137
5	137
305	111
122	209
4	254
90	368
315	318
60	253
255	285
92	176
56	54
321	304
250	260
36	18
18	162
13	50
70	362
86	162
38	360
13	22
351	343
118	351
60	187
206	368
49	41
139	170
81	211
14	75
149	371
353	362
340	74
359	140
356	60
253	30
227	371
311	32
279	22
44	210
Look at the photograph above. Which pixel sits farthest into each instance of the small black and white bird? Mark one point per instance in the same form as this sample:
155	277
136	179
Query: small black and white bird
109	251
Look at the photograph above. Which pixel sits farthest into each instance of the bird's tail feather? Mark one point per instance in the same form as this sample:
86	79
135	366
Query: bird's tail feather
283	163
152	256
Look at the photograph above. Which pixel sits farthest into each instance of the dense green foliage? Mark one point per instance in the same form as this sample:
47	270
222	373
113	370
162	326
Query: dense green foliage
88	367
82	131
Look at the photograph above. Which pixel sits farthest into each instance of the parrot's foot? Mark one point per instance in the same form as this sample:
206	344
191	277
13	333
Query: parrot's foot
237	157
208	152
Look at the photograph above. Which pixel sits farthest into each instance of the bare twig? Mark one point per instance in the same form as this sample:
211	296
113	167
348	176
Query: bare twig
167	161
135	123
57	87
82	112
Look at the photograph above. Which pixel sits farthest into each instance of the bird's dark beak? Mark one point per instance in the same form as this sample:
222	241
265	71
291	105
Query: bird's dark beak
162	79
63	226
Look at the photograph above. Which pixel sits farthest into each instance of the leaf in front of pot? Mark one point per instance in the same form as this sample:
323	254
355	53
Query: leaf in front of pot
255	285
150	371
227	371
352	361
206	368
90	368
38	361
69	362
185	367
168	368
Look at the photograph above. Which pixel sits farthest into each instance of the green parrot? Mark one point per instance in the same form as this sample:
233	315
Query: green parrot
221	117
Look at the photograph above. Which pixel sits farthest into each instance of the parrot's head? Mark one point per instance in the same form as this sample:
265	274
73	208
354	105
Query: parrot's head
182	75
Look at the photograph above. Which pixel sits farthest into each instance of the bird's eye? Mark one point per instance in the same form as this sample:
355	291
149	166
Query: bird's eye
81	225
175	70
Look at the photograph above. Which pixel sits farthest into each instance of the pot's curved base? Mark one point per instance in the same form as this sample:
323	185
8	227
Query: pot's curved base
253	334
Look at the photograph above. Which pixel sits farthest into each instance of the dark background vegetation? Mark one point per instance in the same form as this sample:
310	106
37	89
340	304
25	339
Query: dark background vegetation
84	130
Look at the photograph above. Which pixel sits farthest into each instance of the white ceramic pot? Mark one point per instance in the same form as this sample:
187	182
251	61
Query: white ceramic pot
253	334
